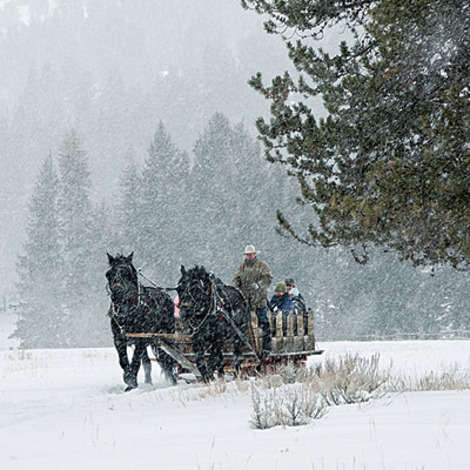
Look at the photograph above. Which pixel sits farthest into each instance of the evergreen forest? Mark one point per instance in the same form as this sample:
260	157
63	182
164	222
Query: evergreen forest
332	135
203	207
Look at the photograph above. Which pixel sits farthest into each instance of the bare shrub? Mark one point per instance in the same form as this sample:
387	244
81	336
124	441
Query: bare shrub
241	386
270	380
309	391
301	405
293	374
452	379
350	379
264	410
286	406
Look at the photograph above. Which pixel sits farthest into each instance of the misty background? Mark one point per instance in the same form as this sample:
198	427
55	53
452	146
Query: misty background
111	70
151	98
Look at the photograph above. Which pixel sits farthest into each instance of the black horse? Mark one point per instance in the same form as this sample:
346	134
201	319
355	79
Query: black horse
138	309
212	312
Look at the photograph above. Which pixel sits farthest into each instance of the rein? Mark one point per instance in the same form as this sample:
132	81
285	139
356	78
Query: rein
230	320
208	314
114	316
223	312
139	272
114	312
133	302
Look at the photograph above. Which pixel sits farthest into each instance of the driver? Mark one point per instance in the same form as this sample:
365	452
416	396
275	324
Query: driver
253	278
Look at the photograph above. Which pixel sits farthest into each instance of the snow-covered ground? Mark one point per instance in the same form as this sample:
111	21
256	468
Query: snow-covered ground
65	409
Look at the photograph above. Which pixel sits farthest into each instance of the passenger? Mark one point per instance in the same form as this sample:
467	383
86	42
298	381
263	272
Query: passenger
293	292
296	296
281	303
253	278
299	304
290	283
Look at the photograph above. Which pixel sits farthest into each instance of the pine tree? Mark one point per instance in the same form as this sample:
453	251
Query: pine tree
212	176
232	195
389	166
163	212
94	326
128	215
214	195
39	268
76	237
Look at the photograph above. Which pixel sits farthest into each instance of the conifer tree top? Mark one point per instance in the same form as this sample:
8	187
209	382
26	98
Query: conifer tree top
390	165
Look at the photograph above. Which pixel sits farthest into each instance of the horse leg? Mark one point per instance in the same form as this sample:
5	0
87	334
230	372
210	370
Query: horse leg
147	365
166	362
120	343
242	324
216	355
198	348
219	359
237	352
131	377
262	315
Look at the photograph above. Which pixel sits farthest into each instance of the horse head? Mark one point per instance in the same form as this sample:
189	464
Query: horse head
122	282
194	291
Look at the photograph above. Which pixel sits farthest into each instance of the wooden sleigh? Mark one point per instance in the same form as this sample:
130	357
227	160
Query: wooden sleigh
293	340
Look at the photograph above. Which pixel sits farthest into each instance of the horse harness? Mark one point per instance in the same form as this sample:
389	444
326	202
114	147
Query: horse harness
114	310
222	313
210	311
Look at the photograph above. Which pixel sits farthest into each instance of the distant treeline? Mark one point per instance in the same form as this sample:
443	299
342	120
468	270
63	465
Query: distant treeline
202	208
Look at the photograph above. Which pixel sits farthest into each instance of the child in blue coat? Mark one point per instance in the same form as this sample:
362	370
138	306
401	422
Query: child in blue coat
280	301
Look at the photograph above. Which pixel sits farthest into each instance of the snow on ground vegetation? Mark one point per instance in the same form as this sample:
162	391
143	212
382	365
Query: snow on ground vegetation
65	409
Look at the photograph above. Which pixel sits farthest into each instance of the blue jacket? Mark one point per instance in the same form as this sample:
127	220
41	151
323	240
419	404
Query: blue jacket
282	302
299	305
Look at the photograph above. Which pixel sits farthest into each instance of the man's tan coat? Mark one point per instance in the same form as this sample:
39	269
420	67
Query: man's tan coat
253	280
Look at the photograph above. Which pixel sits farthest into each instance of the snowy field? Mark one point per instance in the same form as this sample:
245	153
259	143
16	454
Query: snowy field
65	409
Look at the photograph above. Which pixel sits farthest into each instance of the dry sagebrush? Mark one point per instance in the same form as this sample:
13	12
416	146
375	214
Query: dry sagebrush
451	379
285	405
350	379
